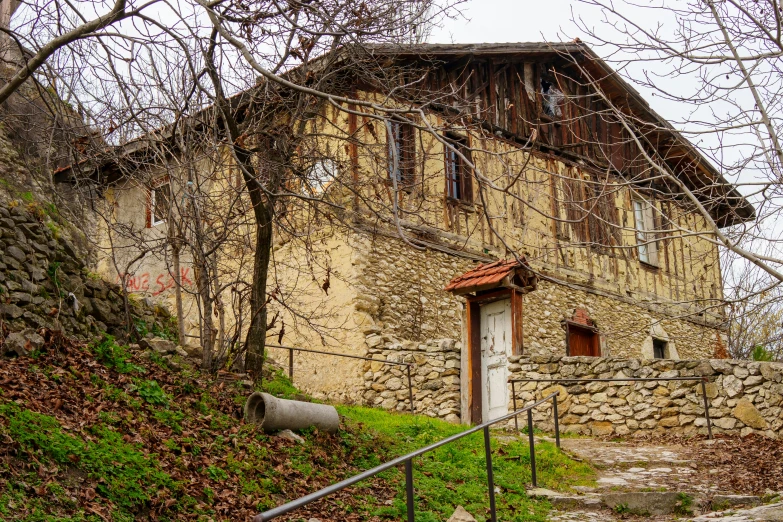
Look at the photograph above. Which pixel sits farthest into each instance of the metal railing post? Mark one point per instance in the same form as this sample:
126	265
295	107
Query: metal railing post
532	447
409	489
514	398
291	364
490	477
706	408
557	421
410	390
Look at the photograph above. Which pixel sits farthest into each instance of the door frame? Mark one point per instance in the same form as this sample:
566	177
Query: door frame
473	344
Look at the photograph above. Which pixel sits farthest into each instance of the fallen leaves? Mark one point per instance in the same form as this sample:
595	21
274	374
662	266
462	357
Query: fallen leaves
67	383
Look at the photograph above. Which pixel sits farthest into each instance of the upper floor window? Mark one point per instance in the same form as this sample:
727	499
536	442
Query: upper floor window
459	177
320	175
552	99
402	153
644	215
159	202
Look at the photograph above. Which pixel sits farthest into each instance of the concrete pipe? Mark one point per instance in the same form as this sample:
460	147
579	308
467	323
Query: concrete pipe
275	414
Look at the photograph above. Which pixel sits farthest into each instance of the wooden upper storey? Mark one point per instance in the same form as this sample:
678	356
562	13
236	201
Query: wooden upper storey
562	98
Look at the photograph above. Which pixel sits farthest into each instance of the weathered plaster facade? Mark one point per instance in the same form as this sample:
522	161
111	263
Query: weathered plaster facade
386	298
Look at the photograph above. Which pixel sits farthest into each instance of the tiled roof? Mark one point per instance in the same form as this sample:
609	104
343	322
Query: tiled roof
486	275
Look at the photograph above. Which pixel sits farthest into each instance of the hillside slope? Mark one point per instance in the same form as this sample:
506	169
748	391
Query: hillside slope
96	432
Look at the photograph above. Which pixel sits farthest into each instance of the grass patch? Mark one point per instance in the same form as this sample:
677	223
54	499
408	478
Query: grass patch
455	474
111	354
126	476
151	444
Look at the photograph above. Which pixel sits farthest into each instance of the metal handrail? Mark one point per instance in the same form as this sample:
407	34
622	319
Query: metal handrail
703	379
407	460
291	350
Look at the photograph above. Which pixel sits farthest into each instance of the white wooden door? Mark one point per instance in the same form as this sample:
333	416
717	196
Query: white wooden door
495	349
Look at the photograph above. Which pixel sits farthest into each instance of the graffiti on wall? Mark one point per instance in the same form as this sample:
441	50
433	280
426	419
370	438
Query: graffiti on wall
154	283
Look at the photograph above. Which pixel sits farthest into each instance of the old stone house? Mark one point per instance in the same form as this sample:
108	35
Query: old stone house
562	239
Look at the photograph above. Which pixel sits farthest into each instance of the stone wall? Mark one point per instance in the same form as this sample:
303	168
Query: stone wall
400	292
44	283
626	328
435	376
744	396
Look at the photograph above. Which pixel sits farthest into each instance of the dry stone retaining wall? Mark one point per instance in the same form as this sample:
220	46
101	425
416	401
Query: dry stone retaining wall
44	284
435	376
744	396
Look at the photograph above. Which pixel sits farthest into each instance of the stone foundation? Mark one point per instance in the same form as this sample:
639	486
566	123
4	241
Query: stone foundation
745	396
435	376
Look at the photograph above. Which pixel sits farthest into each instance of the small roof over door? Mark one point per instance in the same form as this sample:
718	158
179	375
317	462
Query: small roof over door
507	273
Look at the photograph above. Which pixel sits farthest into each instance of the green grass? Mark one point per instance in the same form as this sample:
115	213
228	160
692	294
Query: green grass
113	355
455	474
171	445
126	475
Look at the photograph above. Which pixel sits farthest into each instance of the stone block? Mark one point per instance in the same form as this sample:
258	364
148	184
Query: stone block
726	423
732	385
746	412
669	422
601	428
753	380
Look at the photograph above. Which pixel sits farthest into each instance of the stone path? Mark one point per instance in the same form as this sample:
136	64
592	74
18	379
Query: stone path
646	476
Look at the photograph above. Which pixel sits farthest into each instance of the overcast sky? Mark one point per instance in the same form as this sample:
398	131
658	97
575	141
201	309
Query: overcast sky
501	21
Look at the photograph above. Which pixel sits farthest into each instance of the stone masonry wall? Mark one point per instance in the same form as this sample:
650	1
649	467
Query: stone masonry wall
400	291
399	294
435	376
744	396
627	329
44	283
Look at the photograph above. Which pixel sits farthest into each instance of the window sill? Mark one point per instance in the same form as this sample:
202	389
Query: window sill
649	266
464	205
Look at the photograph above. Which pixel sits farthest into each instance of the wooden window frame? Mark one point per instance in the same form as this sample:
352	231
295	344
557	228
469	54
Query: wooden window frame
402	140
154	186
568	325
644	226
458	174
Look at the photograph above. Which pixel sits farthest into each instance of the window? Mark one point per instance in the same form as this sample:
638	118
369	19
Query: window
459	178
320	176
582	340
552	99
644	216
660	347
402	153
160	201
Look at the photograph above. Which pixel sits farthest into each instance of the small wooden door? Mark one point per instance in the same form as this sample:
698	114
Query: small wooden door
495	348
582	341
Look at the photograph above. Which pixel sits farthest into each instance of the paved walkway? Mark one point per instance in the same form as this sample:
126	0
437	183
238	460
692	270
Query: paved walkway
634	467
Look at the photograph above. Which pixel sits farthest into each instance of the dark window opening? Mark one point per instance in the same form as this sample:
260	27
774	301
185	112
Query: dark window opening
160	200
402	148
459	177
582	341
660	348
552	99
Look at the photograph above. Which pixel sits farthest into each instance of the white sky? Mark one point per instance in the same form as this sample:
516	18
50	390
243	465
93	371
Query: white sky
502	21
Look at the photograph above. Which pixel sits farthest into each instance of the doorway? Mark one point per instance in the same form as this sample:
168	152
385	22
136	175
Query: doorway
496	347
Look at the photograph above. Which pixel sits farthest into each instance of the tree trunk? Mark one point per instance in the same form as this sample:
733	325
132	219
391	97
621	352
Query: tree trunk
175	249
